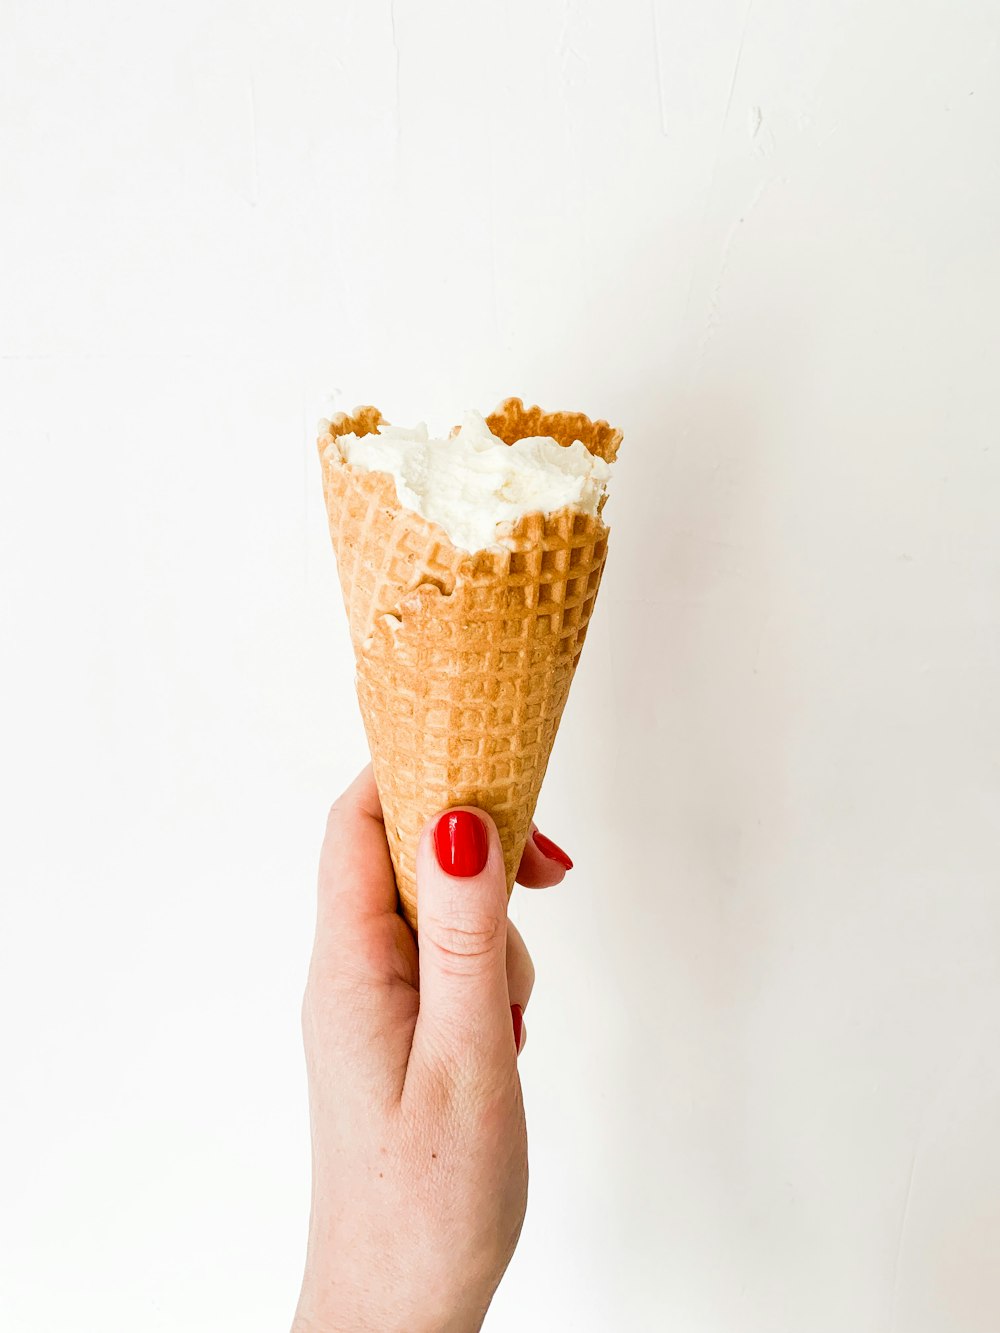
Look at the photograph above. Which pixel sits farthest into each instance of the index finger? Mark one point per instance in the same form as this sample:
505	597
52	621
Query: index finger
356	883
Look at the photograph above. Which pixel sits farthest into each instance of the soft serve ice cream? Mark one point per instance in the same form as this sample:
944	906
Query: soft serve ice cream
471	482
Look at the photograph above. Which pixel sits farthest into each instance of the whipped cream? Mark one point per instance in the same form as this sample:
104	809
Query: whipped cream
473	481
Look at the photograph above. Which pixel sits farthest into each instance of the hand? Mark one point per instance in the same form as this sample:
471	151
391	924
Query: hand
420	1167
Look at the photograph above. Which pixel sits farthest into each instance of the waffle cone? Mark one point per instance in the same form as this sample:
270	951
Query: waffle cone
464	661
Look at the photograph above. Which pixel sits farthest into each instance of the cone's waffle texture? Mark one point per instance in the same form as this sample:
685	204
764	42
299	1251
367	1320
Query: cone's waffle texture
464	661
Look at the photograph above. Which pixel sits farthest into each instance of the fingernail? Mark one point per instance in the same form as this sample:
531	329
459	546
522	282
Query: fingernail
517	1018
460	843
550	849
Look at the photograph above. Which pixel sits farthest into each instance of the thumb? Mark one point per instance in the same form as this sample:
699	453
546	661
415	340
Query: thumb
464	1016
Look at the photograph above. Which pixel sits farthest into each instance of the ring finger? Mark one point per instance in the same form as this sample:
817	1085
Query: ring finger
520	975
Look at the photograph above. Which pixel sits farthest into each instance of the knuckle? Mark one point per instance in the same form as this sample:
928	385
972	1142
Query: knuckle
335	814
334	1011
465	937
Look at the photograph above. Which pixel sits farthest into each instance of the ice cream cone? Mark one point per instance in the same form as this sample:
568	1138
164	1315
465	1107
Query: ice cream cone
464	661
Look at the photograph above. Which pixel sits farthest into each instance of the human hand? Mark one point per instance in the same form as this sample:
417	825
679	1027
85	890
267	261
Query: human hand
420	1167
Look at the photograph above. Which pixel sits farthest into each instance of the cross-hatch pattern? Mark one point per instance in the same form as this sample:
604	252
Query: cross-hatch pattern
464	662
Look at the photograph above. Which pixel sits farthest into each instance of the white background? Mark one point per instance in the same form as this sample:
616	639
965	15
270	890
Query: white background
763	1075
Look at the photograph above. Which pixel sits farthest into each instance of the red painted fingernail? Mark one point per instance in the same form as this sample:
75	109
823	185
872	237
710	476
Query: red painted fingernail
517	1018
550	849
460	843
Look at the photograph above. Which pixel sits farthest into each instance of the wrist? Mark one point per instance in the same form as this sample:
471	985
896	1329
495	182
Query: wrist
348	1312
307	1322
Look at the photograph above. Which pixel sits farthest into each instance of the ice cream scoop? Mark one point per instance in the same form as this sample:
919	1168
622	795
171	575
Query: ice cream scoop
472	481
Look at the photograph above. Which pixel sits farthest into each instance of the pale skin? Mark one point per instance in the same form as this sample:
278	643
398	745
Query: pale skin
420	1166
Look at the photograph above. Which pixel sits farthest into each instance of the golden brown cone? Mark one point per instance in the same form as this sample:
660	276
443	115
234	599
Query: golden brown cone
464	661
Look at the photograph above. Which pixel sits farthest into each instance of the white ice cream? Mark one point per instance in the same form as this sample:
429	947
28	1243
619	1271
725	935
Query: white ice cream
471	482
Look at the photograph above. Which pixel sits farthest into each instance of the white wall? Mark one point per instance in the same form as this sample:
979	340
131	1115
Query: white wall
763	1074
